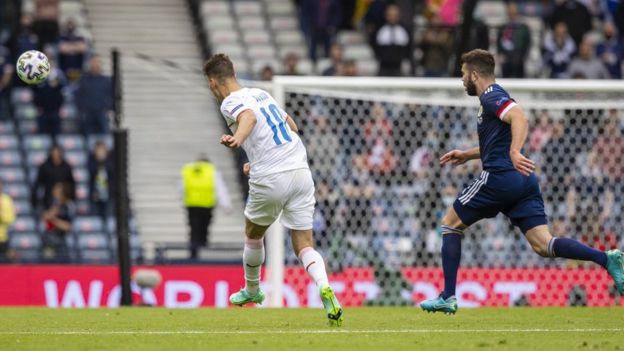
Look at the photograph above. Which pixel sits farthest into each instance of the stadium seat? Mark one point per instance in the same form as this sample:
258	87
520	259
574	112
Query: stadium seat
21	96
261	52
93	247
359	52
83	207
227	36
218	22
252	23
26	112
17	190
22	207
214	7
350	37
71	142
256	37
27	126
24	224
82	191
26	245
37	142
367	67
288	38
81	174
76	158
234	50
280	8
35	158
7	128
87	224
8	142
10	158
283	23
12	175
95	240
247	8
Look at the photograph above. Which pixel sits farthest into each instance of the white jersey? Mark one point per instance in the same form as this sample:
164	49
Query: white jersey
272	147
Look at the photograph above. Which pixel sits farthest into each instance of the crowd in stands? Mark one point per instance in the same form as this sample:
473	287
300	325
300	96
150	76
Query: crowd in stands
575	38
62	169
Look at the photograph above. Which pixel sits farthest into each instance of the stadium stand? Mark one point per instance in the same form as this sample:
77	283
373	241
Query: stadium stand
23	149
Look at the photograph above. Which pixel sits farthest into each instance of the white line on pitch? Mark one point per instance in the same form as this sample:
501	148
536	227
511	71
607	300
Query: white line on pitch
343	331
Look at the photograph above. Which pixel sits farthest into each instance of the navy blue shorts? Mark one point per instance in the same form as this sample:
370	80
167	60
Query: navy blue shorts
518	197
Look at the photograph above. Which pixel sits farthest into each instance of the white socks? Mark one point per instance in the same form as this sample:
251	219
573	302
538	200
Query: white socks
253	257
314	265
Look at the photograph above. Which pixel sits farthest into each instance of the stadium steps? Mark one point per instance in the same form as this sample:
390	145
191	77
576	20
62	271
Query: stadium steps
169	112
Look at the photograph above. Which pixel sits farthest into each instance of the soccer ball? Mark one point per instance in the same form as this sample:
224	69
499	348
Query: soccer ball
33	67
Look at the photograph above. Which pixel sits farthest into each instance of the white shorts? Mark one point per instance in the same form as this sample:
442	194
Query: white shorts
290	193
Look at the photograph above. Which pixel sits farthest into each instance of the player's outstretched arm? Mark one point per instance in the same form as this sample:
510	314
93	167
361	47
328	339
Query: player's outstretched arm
519	132
246	122
458	157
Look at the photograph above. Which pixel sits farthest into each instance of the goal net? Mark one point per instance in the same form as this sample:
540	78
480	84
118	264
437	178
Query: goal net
373	146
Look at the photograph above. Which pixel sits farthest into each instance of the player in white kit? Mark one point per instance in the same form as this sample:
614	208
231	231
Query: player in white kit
280	181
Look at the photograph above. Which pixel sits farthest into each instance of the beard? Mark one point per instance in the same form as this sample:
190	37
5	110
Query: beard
471	88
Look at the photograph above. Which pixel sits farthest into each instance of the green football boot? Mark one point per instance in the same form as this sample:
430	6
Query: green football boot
615	267
332	306
243	297
448	306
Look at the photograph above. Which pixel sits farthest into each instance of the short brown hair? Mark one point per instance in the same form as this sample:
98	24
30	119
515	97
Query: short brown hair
479	60
219	66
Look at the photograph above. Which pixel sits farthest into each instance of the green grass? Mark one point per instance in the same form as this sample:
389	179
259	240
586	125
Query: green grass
365	329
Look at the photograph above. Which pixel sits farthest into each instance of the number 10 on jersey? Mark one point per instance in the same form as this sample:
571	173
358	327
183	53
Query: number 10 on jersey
279	123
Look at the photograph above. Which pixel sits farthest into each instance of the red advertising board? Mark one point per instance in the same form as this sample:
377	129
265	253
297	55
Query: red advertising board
193	286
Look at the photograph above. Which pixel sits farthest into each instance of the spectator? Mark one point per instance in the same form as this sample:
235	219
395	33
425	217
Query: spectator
46	21
436	46
335	54
72	50
101	180
6	73
392	43
558	50
349	68
609	149
23	39
49	99
290	63
586	65
52	171
514	43
58	222
320	20
94	99
611	51
7	217
576	16
266	74
204	188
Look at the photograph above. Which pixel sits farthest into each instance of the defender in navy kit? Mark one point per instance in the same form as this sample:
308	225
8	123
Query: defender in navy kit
506	184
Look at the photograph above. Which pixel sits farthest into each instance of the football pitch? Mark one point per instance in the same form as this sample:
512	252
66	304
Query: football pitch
143	328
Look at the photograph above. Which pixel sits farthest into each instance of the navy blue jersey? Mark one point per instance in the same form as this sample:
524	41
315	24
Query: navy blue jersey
494	134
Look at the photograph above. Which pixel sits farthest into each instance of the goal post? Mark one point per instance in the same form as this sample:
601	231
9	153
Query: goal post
373	145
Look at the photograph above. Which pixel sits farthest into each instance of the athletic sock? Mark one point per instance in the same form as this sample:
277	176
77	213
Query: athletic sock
570	248
314	265
451	255
253	257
